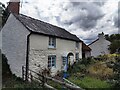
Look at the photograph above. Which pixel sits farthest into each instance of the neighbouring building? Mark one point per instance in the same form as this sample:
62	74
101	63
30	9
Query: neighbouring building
37	45
86	51
100	46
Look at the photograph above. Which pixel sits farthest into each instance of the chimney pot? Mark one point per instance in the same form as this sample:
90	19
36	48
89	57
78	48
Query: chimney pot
101	35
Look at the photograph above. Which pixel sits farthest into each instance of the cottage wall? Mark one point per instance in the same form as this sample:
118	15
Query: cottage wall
14	44
39	52
100	47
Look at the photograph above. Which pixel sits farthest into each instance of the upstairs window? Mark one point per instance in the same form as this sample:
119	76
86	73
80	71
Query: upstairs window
52	42
51	61
77	45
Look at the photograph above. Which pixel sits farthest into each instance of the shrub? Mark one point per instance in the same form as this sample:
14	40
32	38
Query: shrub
100	70
87	61
116	69
6	72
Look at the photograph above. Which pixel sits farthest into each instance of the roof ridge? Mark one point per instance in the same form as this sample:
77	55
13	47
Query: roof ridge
39	26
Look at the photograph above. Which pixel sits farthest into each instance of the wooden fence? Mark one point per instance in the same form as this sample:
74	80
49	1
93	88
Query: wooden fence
32	75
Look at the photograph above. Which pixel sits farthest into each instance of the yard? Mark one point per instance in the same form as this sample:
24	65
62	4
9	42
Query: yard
87	73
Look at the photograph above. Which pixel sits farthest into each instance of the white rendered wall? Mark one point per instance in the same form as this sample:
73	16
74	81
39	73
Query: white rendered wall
39	52
14	44
100	47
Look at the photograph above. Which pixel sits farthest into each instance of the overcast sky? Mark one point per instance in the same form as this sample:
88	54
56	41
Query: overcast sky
84	19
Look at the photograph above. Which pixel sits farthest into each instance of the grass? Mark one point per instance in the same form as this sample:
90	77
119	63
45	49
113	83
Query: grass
55	85
15	82
89	82
9	80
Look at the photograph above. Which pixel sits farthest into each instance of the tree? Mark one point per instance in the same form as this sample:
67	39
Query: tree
116	69
115	42
4	14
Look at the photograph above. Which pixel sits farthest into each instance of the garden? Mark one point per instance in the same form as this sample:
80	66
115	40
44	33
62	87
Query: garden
100	72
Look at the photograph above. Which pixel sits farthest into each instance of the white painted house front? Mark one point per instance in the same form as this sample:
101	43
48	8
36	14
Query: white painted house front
100	46
31	42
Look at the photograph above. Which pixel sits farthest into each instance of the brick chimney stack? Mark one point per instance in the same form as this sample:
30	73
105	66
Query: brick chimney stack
14	6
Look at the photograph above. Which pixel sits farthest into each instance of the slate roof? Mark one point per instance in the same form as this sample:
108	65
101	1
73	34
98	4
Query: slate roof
93	42
40	27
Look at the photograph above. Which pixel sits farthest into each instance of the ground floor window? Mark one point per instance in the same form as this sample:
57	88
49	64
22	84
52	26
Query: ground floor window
77	56
51	61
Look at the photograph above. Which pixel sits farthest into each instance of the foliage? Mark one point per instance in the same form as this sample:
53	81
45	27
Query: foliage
87	61
114	46
6	72
55	85
84	73
107	57
100	70
16	82
113	37
116	69
89	82
77	67
115	42
5	13
9	80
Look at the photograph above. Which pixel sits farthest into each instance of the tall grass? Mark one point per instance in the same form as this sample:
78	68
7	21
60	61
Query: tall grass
89	82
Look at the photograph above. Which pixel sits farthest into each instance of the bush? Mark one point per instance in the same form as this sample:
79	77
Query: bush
116	69
77	67
87	61
6	72
100	70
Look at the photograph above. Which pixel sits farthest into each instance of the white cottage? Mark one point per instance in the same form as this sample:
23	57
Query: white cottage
100	46
38	45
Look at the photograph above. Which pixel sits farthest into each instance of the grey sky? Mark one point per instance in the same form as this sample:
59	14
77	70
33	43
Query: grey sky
85	19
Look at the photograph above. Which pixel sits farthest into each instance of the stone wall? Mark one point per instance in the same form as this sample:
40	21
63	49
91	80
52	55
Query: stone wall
39	52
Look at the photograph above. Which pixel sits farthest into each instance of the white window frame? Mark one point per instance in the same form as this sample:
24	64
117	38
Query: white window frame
52	42
51	61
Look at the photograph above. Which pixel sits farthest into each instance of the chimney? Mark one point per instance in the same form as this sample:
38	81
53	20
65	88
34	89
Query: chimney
14	6
101	35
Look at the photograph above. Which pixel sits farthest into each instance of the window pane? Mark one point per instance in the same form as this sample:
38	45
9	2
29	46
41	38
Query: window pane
52	41
51	60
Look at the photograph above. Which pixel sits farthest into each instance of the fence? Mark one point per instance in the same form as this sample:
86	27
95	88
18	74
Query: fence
43	80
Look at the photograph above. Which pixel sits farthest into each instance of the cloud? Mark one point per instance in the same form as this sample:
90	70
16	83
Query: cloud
82	14
117	17
85	18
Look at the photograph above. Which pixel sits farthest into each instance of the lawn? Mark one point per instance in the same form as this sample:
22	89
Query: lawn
89	82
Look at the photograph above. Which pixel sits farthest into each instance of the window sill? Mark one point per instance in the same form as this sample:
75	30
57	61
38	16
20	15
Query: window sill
52	48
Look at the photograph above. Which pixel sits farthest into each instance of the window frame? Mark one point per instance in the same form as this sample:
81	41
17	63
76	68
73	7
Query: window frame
52	42
51	63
